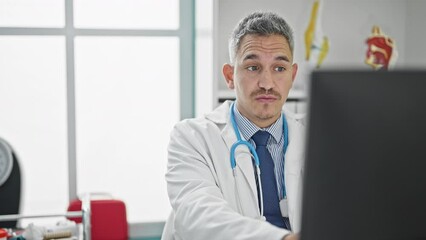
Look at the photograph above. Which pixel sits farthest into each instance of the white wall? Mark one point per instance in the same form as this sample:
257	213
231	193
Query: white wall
415	34
347	23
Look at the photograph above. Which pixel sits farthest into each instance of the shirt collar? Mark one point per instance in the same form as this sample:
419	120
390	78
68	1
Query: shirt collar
248	128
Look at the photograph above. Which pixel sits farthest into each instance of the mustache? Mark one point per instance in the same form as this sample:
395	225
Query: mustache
265	92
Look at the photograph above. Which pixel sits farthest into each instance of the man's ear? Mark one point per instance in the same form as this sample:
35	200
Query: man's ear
294	72
228	73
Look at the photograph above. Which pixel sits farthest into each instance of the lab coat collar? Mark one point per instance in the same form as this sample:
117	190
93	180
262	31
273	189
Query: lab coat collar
221	115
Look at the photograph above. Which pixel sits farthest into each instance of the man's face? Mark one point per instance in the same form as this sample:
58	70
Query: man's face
262	76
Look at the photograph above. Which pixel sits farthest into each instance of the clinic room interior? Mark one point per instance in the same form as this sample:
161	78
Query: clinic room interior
91	90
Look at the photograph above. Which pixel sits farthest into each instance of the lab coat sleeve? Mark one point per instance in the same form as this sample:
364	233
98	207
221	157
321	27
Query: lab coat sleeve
200	210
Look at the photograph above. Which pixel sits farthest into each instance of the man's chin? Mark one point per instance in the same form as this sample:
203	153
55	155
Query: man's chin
268	110
265	116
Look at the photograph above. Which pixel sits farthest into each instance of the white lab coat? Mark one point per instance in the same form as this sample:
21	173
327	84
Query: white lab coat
202	189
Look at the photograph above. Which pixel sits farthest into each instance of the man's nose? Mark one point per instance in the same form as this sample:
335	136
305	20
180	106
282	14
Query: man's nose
265	80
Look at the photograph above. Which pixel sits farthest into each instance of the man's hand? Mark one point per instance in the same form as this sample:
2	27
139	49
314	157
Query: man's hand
291	237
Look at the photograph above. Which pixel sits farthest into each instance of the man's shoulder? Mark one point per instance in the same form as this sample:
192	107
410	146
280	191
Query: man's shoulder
298	119
217	117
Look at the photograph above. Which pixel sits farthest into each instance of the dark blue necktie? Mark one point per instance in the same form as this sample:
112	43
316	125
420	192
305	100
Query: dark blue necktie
271	208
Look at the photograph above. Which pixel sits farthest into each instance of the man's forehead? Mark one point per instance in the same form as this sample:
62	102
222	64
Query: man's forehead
252	45
264	40
254	56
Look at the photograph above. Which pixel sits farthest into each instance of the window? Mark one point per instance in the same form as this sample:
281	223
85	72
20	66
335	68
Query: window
33	117
127	14
83	94
126	104
29	13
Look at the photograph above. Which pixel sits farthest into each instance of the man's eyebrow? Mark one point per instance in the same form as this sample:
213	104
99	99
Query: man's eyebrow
254	56
283	58
250	56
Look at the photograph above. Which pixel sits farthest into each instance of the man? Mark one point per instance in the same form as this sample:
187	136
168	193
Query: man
216	197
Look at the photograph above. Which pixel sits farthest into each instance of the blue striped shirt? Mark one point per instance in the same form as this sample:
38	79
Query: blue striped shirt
275	143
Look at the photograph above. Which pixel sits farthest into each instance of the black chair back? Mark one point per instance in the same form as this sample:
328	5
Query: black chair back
10	194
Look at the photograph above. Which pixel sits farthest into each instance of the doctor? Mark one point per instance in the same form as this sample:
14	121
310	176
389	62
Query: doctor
249	195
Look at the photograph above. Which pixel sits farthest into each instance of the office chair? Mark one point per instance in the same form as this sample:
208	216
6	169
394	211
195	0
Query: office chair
10	184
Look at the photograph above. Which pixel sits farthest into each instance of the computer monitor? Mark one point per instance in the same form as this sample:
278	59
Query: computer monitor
365	169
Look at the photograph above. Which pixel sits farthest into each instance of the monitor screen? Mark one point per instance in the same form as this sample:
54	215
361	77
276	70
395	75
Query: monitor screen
365	169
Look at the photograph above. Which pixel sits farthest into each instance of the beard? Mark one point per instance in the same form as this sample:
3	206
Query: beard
267	111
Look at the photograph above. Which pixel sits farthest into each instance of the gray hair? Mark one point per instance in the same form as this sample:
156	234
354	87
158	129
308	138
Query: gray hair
262	24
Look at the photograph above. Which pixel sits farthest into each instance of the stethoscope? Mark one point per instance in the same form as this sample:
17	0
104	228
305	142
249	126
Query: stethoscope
239	142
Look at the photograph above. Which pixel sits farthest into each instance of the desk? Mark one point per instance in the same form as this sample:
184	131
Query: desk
85	214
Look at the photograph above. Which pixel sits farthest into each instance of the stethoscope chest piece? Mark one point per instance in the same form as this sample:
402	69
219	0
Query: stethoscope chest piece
284	207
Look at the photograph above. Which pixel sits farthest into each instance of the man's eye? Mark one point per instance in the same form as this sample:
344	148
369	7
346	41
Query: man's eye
253	68
280	69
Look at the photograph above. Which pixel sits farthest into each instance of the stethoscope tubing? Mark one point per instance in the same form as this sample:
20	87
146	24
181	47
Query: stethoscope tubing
253	153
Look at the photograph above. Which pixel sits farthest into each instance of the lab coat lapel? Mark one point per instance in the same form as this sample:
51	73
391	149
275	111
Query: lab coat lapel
242	157
242	154
293	172
245	172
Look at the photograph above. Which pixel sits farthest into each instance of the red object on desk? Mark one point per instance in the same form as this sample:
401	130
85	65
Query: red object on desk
108	219
3	233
